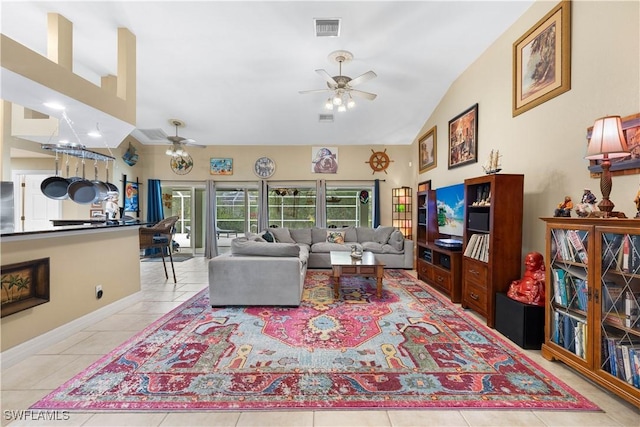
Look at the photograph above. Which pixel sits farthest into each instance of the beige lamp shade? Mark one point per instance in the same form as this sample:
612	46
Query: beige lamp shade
607	139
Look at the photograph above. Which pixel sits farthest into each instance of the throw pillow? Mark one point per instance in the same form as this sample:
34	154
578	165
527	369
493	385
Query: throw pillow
397	240
268	236
282	235
335	236
382	233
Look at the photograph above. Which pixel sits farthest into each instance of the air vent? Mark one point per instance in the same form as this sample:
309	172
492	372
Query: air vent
325	118
327	27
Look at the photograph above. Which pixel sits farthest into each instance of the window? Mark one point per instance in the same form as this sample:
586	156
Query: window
349	205
292	206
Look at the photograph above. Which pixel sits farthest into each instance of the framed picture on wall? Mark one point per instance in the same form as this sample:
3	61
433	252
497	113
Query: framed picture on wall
221	166
542	60
463	138
427	150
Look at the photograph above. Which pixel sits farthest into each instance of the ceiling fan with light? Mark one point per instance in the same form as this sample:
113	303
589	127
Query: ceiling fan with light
343	86
178	142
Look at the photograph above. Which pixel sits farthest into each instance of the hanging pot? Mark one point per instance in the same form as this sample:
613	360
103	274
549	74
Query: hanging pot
55	187
102	189
83	191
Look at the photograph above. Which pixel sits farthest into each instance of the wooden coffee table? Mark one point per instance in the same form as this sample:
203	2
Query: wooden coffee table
342	264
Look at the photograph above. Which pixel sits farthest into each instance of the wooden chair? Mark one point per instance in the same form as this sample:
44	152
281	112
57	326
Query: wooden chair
160	236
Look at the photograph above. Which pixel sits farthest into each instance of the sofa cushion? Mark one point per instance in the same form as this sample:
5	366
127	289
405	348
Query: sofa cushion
301	235
350	234
382	233
318	235
245	247
334	236
365	234
282	235
397	240
378	248
325	247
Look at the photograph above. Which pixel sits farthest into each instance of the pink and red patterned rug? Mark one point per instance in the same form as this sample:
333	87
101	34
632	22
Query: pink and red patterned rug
411	349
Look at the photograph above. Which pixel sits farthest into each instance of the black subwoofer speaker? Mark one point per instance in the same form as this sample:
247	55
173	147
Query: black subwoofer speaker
521	323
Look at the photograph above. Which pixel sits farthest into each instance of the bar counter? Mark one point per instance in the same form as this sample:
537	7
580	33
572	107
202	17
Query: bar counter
80	257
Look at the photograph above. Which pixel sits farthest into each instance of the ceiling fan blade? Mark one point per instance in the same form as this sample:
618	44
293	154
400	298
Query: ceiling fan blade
192	143
327	77
314	91
362	78
367	95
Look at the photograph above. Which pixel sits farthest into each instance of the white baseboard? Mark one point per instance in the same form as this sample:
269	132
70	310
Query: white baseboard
20	352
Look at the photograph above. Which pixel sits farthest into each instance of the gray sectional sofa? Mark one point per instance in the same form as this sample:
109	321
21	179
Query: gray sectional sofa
269	268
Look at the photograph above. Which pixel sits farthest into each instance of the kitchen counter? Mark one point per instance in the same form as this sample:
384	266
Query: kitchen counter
71	227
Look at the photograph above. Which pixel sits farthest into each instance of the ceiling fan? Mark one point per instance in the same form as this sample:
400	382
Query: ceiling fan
177	141
342	86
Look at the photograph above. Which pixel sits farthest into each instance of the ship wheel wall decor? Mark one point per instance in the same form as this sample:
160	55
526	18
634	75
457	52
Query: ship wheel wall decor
379	161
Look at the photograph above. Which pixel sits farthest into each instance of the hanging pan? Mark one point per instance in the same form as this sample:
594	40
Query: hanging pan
83	191
113	189
55	187
102	189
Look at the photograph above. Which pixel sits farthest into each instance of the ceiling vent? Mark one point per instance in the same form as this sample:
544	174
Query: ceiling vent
325	118
327	27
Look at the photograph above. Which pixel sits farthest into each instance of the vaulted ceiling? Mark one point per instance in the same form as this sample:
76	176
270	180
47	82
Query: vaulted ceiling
232	70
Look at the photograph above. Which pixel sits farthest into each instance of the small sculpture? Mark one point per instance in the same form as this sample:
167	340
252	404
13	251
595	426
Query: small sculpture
564	208
356	252
111	206
530	289
587	205
637	202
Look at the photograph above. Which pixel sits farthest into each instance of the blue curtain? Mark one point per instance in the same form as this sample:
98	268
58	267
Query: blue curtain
376	203
154	207
154	201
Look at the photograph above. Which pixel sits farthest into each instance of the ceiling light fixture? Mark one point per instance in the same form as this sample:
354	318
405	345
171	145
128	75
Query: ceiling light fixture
176	150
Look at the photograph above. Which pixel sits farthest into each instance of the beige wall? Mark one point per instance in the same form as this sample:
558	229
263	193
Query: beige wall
78	263
547	144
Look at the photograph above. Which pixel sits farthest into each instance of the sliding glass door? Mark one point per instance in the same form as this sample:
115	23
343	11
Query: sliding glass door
188	203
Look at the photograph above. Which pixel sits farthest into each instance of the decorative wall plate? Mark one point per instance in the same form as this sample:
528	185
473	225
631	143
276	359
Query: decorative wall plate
379	161
264	167
181	165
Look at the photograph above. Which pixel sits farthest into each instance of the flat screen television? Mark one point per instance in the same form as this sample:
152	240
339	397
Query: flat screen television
450	207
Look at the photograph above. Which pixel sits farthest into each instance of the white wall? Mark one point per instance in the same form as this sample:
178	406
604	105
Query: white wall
547	144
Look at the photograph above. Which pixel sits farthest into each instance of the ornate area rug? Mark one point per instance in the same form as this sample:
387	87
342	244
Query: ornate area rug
411	349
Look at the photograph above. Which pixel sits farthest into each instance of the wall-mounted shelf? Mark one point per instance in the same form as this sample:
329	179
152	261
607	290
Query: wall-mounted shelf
77	150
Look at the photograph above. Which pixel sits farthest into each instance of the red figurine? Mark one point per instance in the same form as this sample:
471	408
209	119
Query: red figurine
530	289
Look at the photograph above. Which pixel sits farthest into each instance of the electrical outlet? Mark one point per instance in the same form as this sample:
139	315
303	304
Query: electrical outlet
99	291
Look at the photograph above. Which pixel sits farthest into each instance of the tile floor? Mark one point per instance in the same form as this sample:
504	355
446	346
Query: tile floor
23	384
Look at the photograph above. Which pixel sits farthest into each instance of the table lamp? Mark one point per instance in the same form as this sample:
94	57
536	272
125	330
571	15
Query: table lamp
607	142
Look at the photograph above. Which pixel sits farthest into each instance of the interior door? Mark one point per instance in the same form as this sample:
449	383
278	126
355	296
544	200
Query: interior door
33	210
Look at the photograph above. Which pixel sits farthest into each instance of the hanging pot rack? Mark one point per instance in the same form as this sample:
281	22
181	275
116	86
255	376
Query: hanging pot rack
77	150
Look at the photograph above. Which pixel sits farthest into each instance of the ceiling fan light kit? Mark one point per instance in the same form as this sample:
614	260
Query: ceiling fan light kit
342	86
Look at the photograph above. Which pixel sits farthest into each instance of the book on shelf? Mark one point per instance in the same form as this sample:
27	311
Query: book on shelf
612	297
577	246
611	248
631	309
634	254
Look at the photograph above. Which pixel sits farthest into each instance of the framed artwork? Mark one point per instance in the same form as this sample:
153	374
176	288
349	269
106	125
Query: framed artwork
96	213
96	205
629	165
542	60
427	150
131	197
24	285
324	159
221	166
463	138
